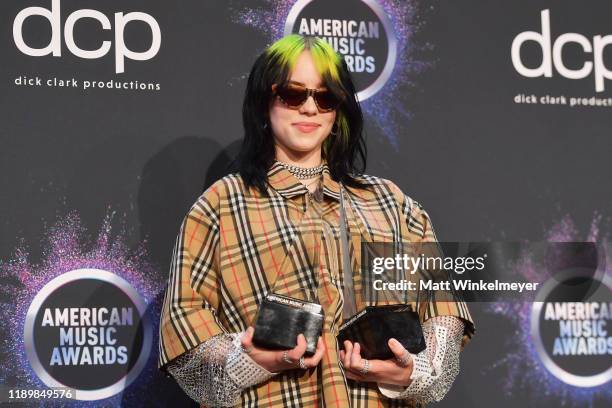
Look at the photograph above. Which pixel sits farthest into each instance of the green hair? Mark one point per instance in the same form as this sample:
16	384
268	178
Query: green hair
289	48
328	63
344	150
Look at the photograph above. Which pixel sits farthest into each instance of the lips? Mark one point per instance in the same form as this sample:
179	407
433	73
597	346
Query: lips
306	127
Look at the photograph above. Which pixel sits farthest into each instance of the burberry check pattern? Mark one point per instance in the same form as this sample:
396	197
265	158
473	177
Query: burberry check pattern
236	245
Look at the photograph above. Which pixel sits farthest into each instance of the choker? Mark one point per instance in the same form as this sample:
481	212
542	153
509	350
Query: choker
303	173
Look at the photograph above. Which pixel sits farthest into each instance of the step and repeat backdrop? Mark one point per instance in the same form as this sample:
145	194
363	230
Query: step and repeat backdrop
116	115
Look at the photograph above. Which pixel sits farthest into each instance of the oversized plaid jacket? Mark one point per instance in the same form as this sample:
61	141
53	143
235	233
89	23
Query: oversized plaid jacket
236	245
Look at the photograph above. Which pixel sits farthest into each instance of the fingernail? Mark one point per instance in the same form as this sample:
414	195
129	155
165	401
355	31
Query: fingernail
395	342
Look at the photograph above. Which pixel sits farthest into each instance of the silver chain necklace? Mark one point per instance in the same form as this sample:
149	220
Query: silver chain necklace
303	173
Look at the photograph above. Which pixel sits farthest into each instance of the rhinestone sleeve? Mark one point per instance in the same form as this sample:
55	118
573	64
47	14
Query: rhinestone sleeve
217	371
436	367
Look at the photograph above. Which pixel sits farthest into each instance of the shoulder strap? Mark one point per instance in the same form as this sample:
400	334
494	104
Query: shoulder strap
350	305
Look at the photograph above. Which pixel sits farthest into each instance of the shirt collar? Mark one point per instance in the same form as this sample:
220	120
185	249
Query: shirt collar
287	185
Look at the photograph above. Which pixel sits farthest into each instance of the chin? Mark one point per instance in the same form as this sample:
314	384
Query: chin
303	148
305	143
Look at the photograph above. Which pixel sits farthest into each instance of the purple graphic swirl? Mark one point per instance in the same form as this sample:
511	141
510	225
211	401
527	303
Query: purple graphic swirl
525	371
67	246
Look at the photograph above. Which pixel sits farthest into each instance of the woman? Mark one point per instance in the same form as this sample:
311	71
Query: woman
275	227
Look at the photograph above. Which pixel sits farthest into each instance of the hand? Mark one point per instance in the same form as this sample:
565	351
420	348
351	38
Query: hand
273	360
380	371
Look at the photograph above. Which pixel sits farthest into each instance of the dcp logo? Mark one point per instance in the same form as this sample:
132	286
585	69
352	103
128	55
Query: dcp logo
552	54
54	47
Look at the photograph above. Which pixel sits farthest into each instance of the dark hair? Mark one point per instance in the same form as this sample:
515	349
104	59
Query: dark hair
345	151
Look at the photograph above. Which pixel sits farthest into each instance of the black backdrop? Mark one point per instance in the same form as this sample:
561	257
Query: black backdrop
485	167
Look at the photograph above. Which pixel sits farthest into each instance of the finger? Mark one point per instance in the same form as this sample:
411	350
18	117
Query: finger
321	344
342	356
398	350
356	356
348	350
247	338
318	355
298	351
358	363
280	358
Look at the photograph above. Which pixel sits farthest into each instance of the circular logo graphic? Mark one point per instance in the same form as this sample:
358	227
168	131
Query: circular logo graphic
87	330
570	328
357	29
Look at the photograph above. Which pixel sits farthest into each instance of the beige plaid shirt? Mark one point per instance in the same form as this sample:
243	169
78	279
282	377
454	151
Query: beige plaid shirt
236	245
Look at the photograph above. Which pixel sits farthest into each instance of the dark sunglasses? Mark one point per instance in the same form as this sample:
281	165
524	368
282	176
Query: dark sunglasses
294	96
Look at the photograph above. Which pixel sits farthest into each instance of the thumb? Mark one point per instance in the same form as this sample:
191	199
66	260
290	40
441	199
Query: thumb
247	338
396	347
300	348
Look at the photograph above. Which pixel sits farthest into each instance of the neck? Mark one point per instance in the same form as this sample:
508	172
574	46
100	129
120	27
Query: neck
300	159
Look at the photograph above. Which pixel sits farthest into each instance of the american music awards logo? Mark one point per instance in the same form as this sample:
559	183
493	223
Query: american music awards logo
561	348
87	330
570	328
357	29
82	317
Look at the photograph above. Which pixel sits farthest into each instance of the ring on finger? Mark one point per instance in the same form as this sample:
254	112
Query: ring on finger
366	367
286	358
403	361
302	363
246	350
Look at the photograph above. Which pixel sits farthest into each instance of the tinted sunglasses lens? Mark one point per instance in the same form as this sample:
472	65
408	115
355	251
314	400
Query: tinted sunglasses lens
326	100
293	97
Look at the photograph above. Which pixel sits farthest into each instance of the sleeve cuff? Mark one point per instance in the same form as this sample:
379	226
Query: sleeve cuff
425	372
242	369
390	390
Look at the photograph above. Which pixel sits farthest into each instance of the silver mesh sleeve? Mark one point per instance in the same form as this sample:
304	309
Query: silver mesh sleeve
217	371
436	367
